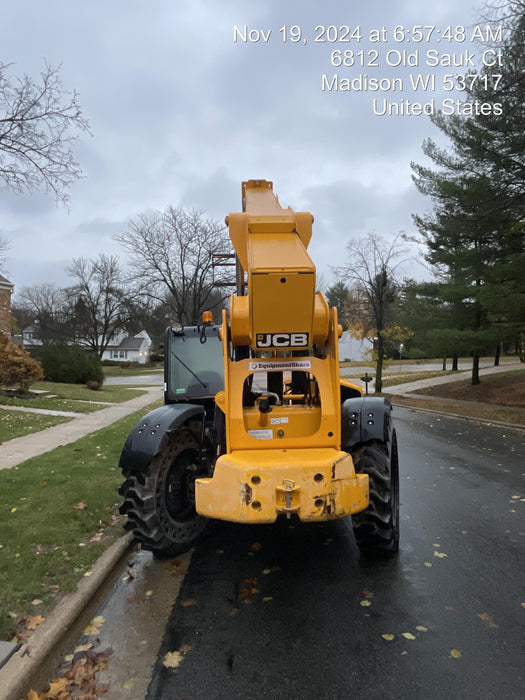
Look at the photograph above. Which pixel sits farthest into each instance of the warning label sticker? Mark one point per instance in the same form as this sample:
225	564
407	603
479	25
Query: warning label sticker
261	434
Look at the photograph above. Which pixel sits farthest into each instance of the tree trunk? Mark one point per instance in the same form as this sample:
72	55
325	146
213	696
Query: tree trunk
475	368
497	355
455	362
444	364
379	366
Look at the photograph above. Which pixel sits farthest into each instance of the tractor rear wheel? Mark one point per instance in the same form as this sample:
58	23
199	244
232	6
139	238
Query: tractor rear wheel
376	529
160	503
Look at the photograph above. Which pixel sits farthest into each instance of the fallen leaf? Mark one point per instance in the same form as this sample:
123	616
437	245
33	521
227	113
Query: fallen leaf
523	605
455	653
188	601
173	659
134	599
267	571
408	635
185	648
267	599
429	564
13	510
149	593
32	695
420	628
32	621
94	627
57	688
366	593
128	685
275	568
365	603
388	637
80	506
36	601
88	573
83	647
234	611
441	555
256	547
487	618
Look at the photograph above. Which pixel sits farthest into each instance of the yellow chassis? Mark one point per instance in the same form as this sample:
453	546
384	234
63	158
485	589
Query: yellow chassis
285	458
255	486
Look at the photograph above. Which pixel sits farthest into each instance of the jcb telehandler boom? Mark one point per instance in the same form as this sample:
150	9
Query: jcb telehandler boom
257	423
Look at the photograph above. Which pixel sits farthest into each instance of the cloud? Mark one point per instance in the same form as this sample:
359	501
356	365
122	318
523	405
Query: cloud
181	114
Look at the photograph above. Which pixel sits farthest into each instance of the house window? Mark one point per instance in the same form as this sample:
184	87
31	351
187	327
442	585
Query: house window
119	354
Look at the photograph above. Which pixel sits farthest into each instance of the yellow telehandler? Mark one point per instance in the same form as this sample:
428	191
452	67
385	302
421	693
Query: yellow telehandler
257	423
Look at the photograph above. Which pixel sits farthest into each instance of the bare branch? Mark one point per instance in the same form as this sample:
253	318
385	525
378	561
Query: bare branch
37	125
172	255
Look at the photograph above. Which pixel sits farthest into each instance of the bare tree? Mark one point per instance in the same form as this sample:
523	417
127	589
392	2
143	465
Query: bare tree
46	305
37	125
371	271
4	245
99	304
172	258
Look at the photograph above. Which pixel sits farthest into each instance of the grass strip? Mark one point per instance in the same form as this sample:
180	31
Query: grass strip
58	512
17	424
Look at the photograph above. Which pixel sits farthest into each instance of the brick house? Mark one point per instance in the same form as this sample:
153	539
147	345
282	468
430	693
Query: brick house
6	289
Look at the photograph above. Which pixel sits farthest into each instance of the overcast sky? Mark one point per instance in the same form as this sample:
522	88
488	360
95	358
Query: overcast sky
181	114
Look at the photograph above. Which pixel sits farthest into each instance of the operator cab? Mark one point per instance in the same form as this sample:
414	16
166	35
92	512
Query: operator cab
193	364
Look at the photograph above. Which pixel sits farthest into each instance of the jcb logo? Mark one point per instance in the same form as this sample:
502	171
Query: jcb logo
282	340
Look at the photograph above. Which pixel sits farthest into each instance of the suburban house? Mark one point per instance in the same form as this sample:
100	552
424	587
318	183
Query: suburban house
125	348
6	289
122	347
353	350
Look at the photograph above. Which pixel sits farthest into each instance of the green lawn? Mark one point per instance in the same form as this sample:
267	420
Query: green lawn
72	397
17	423
51	508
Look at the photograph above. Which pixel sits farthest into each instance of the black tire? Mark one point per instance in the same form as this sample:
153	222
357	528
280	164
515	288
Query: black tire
376	529
160	503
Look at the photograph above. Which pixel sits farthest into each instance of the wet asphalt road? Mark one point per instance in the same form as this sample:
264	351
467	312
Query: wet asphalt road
295	611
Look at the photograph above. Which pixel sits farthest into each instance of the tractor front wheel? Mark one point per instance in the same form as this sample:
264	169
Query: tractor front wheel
160	503
376	529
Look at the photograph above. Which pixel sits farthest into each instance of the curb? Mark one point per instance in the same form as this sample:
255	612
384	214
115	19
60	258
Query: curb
31	664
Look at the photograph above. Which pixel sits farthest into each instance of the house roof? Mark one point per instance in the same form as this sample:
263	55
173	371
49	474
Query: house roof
131	344
5	283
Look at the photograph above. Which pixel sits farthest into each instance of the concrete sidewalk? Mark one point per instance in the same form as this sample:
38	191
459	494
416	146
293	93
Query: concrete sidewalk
411	387
19	449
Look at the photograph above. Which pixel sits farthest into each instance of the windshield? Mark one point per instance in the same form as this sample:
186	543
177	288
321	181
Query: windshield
193	368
